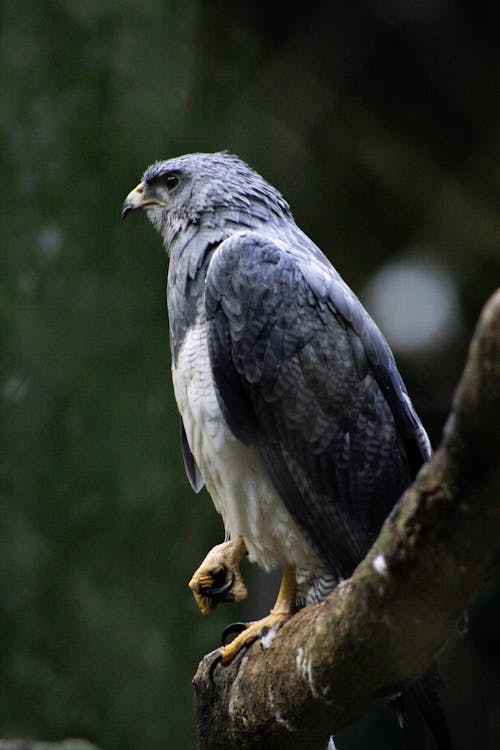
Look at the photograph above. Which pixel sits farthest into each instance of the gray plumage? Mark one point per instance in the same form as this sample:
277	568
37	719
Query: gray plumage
307	391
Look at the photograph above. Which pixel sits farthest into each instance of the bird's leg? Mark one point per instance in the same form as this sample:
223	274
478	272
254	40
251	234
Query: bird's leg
282	611
218	579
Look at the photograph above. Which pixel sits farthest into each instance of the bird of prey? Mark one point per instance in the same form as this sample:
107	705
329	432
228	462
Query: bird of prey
293	412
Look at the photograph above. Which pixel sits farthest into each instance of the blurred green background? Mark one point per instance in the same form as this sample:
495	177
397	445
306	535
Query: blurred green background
379	121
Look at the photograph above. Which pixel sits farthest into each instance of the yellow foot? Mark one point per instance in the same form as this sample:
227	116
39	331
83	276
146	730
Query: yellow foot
252	631
218	579
282	611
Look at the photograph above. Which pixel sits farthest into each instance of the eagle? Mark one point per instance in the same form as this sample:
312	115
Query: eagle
293	412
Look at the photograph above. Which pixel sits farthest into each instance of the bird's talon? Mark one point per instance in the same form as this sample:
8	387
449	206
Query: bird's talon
218	578
218	593
234	627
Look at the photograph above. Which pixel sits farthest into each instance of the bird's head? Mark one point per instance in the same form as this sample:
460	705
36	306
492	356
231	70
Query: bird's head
214	190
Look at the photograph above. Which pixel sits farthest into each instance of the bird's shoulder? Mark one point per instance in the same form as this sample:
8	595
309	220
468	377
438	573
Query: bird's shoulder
283	278
251	261
273	294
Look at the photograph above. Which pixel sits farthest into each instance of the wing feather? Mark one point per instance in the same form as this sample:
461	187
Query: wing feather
303	373
193	472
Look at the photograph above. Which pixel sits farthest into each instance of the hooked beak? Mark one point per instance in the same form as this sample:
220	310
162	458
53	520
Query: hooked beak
135	199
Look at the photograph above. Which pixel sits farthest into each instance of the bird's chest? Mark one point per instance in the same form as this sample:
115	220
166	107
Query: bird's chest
234	474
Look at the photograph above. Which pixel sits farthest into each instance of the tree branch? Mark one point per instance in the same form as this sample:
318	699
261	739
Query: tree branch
379	630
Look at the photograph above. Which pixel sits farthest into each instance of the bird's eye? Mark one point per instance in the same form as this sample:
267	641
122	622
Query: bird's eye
171	181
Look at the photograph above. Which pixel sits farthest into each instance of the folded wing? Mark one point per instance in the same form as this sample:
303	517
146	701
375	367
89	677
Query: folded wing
303	373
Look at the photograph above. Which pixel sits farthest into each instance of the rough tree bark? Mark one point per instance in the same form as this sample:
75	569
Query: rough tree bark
380	629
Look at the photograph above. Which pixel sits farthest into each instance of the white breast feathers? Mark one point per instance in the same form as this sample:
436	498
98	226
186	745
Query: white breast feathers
234	473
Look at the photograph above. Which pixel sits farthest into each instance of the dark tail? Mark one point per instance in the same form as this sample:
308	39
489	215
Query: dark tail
426	694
